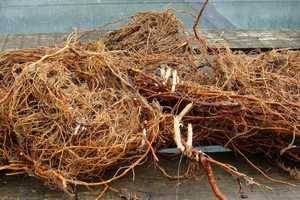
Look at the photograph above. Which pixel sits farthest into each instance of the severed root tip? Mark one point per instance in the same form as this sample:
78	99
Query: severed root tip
203	159
211	178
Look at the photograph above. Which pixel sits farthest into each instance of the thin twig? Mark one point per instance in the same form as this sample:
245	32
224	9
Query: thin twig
198	19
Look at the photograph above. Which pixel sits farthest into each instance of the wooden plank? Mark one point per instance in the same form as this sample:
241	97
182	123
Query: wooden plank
30	41
13	42
251	39
236	39
3	39
149	184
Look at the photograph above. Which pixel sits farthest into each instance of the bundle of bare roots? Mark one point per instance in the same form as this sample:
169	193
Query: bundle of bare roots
72	112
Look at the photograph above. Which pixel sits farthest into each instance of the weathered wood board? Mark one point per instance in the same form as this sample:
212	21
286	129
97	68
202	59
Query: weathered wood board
235	38
148	183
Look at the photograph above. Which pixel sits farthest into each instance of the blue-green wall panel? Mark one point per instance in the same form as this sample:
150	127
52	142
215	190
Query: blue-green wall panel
32	16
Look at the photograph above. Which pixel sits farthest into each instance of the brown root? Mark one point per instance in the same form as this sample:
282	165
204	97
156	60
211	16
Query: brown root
71	113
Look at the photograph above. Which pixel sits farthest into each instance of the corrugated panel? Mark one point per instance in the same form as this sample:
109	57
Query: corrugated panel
36	16
271	14
30	16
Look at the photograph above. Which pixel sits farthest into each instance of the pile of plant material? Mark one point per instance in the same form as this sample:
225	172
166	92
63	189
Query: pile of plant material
73	112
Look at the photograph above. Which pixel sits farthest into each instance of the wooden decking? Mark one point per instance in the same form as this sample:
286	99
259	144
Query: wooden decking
236	39
148	183
251	39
